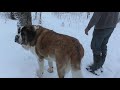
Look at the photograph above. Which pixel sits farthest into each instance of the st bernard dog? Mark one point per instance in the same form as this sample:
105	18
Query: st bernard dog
65	50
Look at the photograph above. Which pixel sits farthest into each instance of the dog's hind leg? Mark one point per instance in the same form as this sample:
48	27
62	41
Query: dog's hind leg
76	73
76	66
61	62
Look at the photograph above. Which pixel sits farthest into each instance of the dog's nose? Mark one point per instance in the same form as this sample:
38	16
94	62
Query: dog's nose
16	38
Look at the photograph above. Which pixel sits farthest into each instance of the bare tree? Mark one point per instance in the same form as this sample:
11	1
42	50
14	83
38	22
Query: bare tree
40	16
12	16
40	21
88	14
119	17
24	18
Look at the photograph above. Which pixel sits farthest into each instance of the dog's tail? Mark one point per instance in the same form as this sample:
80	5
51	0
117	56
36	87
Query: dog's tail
76	59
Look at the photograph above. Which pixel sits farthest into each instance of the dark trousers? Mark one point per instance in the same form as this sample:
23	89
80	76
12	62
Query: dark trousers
99	45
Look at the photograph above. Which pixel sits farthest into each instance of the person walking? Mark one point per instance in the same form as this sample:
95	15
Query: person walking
104	24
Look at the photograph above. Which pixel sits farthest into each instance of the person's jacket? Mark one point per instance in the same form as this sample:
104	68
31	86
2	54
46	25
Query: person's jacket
102	20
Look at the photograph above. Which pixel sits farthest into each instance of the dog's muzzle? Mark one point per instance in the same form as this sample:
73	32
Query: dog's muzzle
16	38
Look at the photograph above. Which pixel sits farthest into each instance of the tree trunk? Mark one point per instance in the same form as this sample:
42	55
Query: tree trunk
88	14
24	18
12	16
40	21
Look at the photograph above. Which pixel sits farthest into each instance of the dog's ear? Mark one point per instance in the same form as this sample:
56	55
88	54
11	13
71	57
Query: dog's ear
31	34
29	31
28	28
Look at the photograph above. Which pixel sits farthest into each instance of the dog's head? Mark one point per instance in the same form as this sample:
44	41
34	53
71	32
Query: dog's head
25	35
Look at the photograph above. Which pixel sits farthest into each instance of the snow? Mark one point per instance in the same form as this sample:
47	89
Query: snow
15	62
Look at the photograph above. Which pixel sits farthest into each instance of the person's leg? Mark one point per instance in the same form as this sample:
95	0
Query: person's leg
104	45
98	37
99	47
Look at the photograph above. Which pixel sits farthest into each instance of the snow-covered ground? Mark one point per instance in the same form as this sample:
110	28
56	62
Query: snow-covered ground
15	62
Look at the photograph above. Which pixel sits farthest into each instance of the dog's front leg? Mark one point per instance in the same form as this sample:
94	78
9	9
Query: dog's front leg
40	71
50	69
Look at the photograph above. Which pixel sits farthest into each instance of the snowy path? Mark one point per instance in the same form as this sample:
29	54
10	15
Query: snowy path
15	62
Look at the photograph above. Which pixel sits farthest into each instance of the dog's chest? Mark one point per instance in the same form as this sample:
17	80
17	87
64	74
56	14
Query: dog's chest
32	49
49	57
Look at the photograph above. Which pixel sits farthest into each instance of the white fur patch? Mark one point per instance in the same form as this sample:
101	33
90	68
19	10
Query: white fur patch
36	27
40	71
26	47
50	58
68	68
77	74
32	49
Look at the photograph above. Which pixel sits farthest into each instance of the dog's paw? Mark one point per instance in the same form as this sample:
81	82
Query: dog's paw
39	74
50	70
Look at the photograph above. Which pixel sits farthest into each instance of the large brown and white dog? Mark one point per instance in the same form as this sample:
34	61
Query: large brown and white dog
66	51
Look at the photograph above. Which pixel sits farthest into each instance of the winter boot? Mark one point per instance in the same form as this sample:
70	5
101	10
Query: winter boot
95	65
102	61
